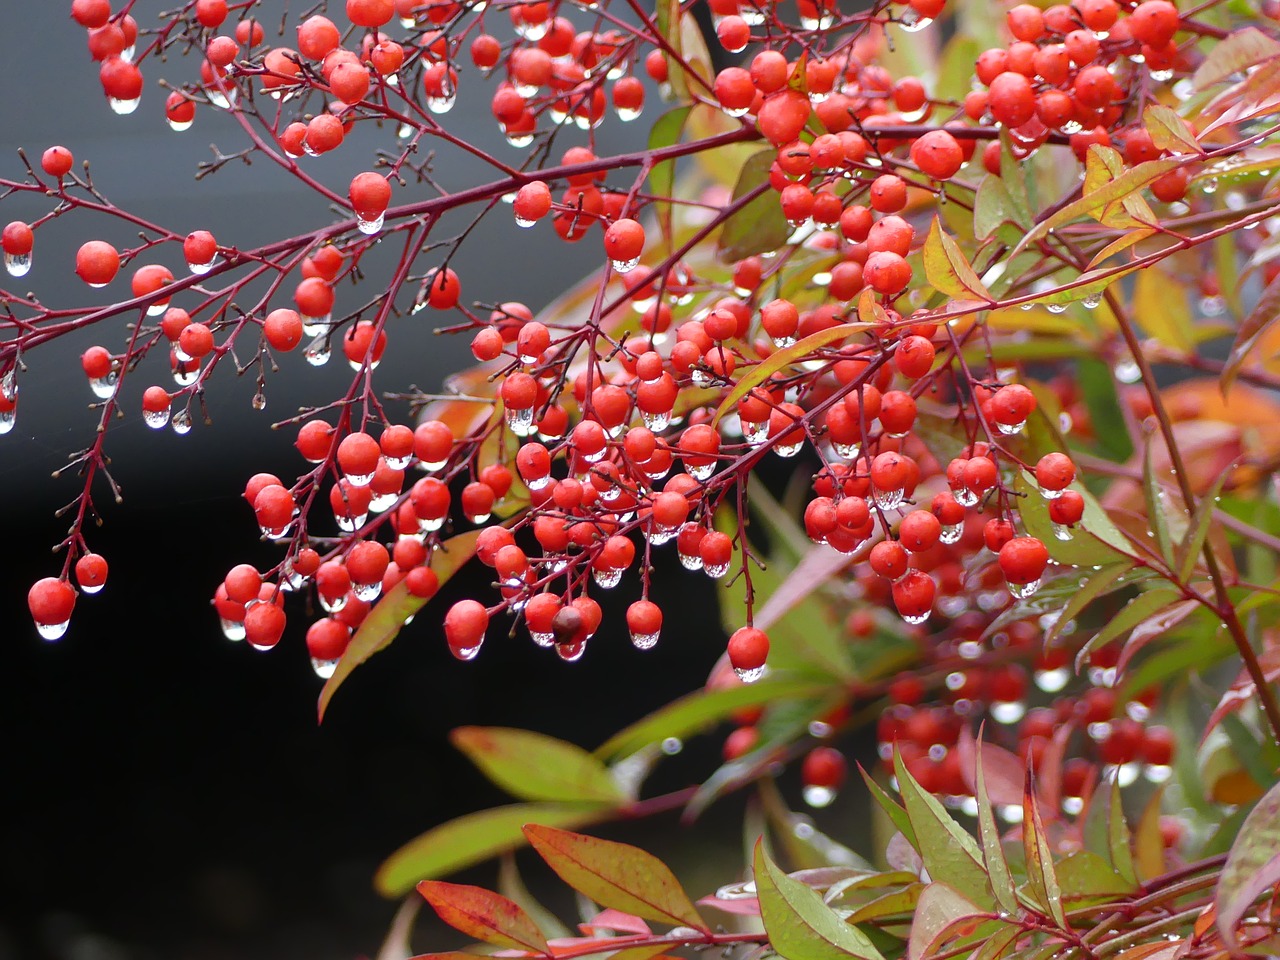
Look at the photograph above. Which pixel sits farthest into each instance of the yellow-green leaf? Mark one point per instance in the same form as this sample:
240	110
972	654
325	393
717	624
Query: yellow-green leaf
532	766
947	269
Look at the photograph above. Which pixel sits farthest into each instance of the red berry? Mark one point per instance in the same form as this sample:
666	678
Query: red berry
1055	471
1023	560
51	601
263	624
748	650
97	263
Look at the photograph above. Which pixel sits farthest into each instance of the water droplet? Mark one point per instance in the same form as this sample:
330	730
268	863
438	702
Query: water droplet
18	264
52	631
625	266
466	653
317	352
443	104
702	471
259	401
888	499
156	419
179	126
181	423
324	668
368	592
656	422
382	502
627	114
571	652
672	745
715	570
915	619
788	450
1213	306
737	891
1022	591
1160	76
644	641
369	227
817	796
1009	711
820	729
104	387
912	22
123	107
951	533
1009	429
1210	186
1062	531
1157	772
520	422
1010	813
351	524
478	518
232	629
607	578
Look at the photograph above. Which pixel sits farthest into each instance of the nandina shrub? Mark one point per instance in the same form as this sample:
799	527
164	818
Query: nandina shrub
1011	324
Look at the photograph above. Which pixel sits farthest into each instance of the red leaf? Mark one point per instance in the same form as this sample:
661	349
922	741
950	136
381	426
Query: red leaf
1003	772
485	915
617	921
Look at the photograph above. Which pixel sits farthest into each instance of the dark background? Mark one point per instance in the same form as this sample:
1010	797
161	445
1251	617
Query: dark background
169	793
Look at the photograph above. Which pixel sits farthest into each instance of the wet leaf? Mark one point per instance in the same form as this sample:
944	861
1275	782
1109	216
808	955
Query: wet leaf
1099	584
950	853
484	915
800	926
1253	865
1251	331
941	913
1041	876
1134	612
662	175
615	875
532	766
947	269
1157	506
1095	540
1120	244
1153	628
1168	132
1161	308
1098	385
760	224
1106	833
1148	841
386	619
473	838
783	358
993	854
1242	49
896	814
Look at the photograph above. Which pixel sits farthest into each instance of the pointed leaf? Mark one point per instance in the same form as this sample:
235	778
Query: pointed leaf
1099	584
1041	877
893	811
662	175
1154	627
785	357
1121	243
1148	841
950	853
992	852
1157	503
484	915
1161	308
511	885
386	619
1240	50
615	875
1118	838
1259	321
1167	129
1253	865
760	224
800	926
1137	610
992	207
1192	544
533	766
473	838
946	268
939	912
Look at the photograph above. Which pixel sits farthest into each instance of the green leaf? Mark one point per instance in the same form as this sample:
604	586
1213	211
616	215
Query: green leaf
896	814
760	224
1098	203
1148	841
615	875
532	766
1168	132
511	885
1098	385
703	709
956	67
780	359
992	207
992	853
1253	865
940	910
949	852
1192	544
1084	875
1042	879
474	838
1157	504
484	915
1242	49
387	618
1102	582
1134	612
1260	319
1095	541
947	269
1105	832
662	175
800	926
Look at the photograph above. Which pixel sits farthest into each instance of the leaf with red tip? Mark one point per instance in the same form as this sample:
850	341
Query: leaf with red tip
947	269
1240	50
1167	129
484	915
615	875
1253	865
941	913
386	619
1250	333
1042	879
617	921
993	854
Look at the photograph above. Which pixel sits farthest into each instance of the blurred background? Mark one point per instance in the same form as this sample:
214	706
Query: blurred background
170	794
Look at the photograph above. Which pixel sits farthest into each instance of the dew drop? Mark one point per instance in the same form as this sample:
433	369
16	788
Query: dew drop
788	450
1008	711
750	675
232	629
520	422
368	592
18	264
915	619
317	352
888	499
644	641
123	107
104	387
672	745
656	422
52	631
625	266
324	668
179	126
465	653
369	227
715	570
156	419
817	796
181	423
1023	591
